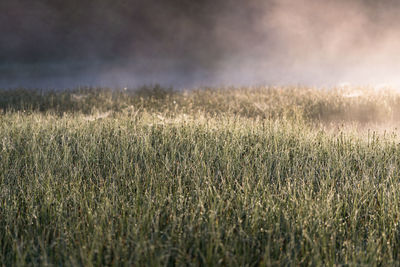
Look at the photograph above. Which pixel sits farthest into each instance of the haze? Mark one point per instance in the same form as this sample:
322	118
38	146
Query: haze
120	43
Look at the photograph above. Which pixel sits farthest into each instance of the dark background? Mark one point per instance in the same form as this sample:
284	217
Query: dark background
51	30
55	43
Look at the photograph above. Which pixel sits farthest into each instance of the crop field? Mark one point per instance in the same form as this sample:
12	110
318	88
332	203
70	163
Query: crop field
233	176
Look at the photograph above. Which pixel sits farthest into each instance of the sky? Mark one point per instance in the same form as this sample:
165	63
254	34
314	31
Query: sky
186	44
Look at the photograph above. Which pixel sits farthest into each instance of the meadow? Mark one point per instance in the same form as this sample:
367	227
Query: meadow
232	176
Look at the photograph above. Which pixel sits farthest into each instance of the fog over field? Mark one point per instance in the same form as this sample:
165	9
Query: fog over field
48	43
199	133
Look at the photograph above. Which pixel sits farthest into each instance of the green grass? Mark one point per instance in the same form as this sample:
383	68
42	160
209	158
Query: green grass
250	176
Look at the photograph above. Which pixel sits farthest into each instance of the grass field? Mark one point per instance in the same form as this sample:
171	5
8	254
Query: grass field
251	176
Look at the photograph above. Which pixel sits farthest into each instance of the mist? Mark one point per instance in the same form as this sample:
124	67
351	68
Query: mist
187	44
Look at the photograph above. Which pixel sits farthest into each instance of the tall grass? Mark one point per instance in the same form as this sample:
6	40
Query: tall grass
209	177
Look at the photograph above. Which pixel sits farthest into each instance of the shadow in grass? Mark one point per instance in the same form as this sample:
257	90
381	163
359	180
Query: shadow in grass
82	100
